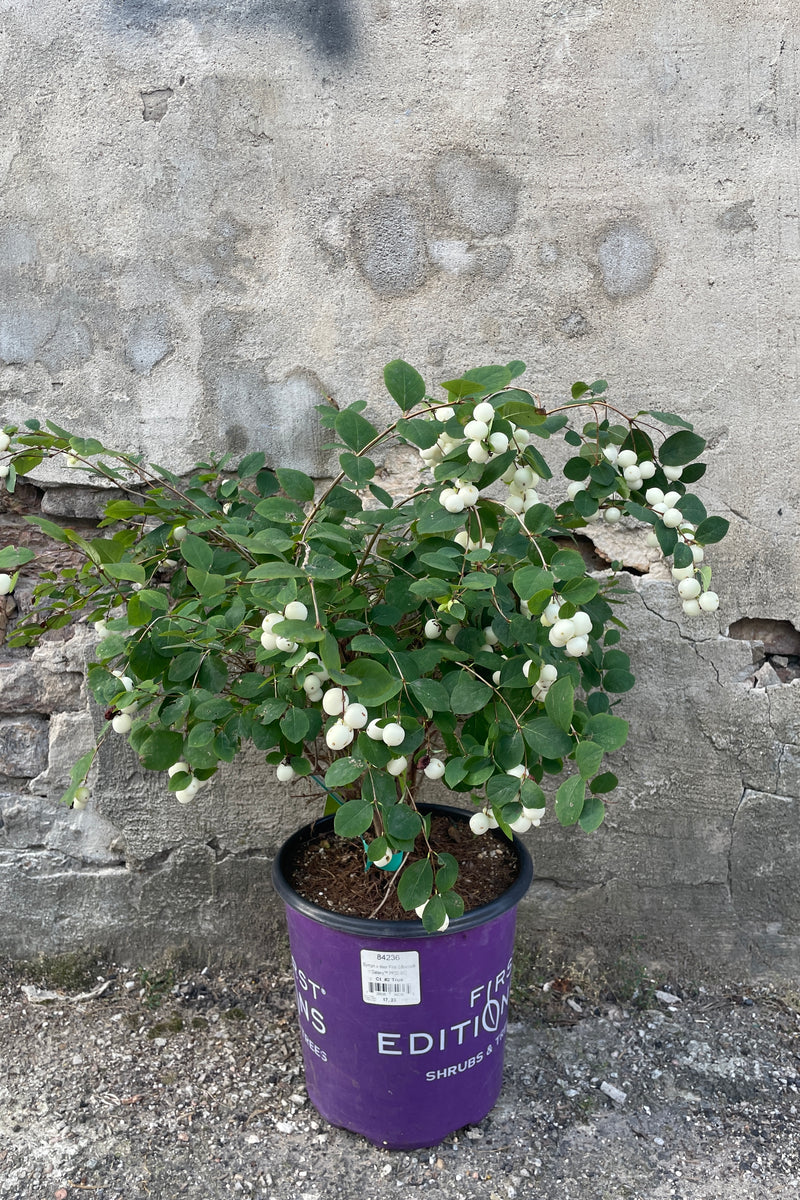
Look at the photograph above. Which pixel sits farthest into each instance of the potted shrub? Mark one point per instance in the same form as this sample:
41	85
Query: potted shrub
369	642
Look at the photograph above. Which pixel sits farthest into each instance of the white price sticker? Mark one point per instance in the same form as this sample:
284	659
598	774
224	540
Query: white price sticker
390	977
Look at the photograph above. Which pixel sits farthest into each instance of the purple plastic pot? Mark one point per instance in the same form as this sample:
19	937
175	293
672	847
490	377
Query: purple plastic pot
403	1031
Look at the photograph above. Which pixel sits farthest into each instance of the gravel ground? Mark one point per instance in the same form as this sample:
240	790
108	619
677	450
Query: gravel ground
166	1084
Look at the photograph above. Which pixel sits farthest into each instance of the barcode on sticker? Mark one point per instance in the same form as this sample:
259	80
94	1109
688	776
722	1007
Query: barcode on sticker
390	977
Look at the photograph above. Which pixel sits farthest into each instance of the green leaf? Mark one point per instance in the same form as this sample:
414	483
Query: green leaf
161	749
578	389
80	769
420	433
11	558
618	681
402	824
567	564
206	584
604	783
560	703
681	448
360	470
296	484
608	731
185	665
196	552
539	517
569	800
528	581
447	872
354	430
375	684
431	693
683	556
132	572
406	387
692	508
251	464
667	538
713	529
667	418
415	884
588	756
353	818
469	694
516	368
545	738
322	567
344	771
295	724
592	814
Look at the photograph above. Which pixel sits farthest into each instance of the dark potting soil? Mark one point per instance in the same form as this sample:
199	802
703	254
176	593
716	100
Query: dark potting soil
329	871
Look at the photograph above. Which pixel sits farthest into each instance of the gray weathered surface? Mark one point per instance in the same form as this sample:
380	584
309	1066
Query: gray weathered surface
212	214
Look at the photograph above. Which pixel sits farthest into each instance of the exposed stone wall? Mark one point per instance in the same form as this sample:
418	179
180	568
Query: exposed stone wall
212	214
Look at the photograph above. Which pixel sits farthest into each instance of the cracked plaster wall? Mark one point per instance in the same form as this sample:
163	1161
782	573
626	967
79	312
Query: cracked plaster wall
212	214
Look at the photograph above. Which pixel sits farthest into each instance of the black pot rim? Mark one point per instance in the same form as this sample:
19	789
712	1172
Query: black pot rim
366	927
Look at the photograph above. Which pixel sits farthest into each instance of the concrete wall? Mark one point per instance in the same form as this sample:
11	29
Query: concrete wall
212	213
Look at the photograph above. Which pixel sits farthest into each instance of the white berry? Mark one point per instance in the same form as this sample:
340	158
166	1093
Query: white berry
478	453
626	458
269	641
121	723
396	766
498	442
483	412
335	701
393	734
654	495
521	825
339	736
355	716
433	629
295	611
270	620
285	772
285	645
434	769
5	584
672	518
444	413
691	608
612	515
689	589
673	473
561	633
476	431
5	441
583	623
469	495
375	730
479	823
177	767
709	602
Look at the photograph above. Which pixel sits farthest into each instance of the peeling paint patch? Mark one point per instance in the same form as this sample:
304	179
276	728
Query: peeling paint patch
627	259
155	103
574	324
476	194
148	341
389	242
738	218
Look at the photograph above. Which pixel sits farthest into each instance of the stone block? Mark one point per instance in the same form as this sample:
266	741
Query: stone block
71	736
23	746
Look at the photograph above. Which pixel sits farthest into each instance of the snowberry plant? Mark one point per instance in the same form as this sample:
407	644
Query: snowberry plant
370	640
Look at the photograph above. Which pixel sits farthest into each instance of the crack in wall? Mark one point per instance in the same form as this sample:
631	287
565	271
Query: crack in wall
729	882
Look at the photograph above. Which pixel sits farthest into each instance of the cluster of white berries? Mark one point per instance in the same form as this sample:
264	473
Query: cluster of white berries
187	794
572	632
482	446
529	818
546	678
295	610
